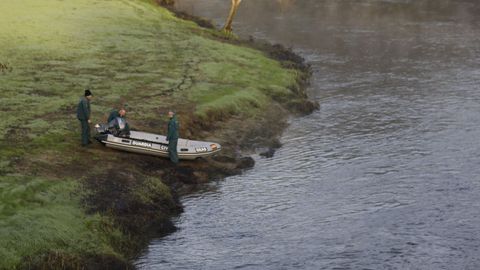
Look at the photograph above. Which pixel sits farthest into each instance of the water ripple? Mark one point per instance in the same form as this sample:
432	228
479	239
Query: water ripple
384	176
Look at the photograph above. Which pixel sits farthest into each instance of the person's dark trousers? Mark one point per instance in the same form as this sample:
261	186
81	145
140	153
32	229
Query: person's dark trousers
172	150
85	132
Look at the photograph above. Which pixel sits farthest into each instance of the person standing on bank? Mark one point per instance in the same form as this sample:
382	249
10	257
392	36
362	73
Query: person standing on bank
83	115
172	137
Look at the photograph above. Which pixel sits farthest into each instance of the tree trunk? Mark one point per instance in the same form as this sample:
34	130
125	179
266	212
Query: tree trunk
231	15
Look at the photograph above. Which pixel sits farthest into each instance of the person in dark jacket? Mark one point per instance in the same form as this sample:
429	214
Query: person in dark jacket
113	122
116	113
172	137
83	115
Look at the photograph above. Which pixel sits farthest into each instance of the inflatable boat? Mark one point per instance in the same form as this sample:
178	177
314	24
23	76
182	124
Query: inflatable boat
153	144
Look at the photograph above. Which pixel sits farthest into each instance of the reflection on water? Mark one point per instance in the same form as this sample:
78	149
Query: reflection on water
384	176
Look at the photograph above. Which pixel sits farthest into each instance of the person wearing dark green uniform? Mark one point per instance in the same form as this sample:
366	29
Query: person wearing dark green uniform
83	115
119	114
116	113
172	137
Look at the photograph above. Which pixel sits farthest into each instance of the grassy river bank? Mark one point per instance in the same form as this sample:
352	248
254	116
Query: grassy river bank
62	206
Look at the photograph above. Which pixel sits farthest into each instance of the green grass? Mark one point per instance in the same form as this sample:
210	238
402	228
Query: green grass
125	51
38	215
151	189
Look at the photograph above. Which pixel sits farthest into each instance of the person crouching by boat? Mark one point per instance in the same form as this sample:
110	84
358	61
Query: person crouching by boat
118	122
116	113
83	115
172	136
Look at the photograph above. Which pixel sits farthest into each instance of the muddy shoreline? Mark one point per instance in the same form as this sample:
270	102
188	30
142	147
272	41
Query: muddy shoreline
143	211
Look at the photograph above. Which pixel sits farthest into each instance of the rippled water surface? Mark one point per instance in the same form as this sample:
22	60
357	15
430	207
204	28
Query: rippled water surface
386	175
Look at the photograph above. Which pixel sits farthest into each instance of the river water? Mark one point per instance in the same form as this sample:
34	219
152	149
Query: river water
386	175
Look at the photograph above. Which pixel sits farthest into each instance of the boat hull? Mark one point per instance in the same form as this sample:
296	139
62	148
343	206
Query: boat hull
157	145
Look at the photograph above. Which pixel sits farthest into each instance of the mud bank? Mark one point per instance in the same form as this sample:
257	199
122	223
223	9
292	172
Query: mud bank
240	138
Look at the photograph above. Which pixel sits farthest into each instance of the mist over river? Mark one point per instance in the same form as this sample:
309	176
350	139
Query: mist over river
386	175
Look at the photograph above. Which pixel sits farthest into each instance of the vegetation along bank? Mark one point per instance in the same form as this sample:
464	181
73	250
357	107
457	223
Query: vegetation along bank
64	206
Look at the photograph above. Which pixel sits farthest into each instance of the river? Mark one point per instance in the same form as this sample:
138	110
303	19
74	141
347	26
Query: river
386	175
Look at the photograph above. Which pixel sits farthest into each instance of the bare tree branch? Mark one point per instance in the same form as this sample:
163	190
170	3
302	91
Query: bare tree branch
231	15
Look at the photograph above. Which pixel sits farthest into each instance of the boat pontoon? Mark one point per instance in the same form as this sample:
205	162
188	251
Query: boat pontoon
151	144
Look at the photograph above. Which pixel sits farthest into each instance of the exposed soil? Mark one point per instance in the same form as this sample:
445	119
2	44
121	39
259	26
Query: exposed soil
202	22
111	190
